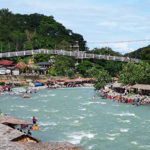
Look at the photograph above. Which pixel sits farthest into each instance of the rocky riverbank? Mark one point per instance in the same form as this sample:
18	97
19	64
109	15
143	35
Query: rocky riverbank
13	139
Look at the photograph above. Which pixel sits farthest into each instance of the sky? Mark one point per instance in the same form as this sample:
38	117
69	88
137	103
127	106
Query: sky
96	20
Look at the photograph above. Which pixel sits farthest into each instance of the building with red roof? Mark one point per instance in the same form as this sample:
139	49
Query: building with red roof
6	63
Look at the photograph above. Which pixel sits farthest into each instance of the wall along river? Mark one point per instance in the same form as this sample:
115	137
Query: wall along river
73	115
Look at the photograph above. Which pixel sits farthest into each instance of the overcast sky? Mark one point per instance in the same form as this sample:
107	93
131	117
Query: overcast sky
96	20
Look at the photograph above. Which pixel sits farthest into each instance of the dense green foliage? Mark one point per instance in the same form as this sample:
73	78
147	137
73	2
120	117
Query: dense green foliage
18	32
64	65
135	73
42	58
104	51
84	66
101	79
142	53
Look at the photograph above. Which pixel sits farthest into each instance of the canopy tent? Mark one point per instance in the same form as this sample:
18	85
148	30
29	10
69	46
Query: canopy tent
141	87
118	85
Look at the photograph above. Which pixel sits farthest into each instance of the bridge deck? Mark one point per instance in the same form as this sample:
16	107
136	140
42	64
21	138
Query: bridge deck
77	54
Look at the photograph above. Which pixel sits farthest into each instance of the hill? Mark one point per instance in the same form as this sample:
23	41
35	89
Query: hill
105	51
141	53
34	31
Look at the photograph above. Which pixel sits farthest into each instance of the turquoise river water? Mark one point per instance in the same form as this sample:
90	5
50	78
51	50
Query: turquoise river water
72	115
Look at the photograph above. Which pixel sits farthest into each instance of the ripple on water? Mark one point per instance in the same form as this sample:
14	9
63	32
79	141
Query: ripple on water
124	114
110	138
67	118
47	124
20	106
52	95
124	130
54	111
81	117
123	121
76	137
79	97
89	103
113	134
134	142
91	146
35	110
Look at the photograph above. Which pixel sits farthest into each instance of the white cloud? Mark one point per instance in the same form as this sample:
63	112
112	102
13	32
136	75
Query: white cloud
96	20
108	23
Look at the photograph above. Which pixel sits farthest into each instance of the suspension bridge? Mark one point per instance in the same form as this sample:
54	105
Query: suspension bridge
76	54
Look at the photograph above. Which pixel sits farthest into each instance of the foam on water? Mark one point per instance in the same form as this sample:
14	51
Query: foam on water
47	124
20	106
76	137
124	130
91	147
103	103
123	121
113	134
67	118
52	95
81	117
44	129
76	121
35	110
111	138
89	103
54	111
125	114
83	109
134	142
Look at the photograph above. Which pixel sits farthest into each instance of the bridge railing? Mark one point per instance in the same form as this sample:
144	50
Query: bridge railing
77	54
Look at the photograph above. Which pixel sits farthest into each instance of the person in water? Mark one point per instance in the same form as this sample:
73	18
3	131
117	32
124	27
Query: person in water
34	120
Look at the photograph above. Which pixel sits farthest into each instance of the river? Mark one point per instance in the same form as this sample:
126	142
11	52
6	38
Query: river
73	115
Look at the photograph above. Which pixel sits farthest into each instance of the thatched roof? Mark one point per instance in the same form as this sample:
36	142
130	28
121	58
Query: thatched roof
5	119
118	85
141	86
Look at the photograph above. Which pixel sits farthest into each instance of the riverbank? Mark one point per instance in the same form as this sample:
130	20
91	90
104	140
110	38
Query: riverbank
14	139
131	98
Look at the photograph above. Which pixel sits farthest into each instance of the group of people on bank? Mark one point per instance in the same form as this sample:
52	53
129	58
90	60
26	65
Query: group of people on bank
122	98
24	127
6	88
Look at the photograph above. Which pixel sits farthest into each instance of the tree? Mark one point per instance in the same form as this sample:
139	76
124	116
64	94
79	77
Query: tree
135	73
101	79
93	72
63	64
71	73
84	66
